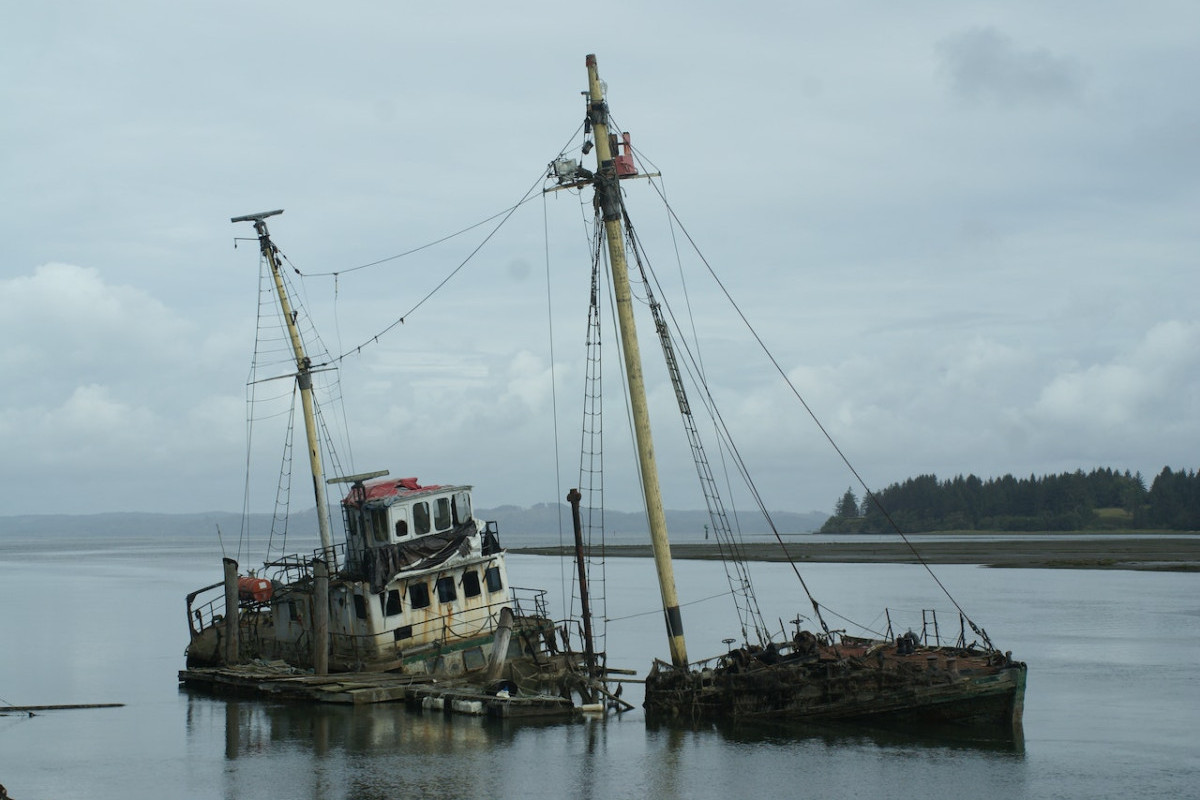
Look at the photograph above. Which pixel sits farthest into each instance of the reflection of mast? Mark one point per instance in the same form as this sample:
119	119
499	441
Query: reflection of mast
609	199
303	370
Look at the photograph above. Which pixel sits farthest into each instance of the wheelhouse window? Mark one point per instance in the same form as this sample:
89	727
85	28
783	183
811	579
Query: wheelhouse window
420	513
446	591
493	580
441	513
470	584
360	606
460	508
418	594
379	526
390	602
400	521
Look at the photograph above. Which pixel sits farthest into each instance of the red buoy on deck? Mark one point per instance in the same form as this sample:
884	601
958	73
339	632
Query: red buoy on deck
256	589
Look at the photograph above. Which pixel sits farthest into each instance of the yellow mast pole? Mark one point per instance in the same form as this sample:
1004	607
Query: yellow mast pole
303	372
608	196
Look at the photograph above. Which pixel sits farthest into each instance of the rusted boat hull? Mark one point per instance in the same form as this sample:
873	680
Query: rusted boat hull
858	682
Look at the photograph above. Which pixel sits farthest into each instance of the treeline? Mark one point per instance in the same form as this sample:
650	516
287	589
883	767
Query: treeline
1102	499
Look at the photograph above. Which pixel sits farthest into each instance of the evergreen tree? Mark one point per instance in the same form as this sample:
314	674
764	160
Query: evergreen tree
847	507
1068	501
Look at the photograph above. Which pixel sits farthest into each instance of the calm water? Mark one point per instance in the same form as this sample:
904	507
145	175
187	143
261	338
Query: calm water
1111	708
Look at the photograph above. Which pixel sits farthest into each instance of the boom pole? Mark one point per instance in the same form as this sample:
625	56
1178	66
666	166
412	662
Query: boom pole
609	199
303	371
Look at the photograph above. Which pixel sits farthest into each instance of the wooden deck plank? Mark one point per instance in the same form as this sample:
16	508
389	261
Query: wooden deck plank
371	688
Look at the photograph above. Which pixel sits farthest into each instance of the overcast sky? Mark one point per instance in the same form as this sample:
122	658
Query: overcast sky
967	231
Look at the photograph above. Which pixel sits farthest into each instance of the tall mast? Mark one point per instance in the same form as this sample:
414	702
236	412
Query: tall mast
609	199
303	371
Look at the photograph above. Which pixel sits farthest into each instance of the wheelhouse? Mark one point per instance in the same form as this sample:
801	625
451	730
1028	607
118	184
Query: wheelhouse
392	512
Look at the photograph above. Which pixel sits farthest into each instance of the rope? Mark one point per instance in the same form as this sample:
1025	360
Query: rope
849	621
659	610
434	243
553	395
828	437
400	321
732	556
504	216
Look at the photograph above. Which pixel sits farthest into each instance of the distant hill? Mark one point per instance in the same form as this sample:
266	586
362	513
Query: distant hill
539	525
143	525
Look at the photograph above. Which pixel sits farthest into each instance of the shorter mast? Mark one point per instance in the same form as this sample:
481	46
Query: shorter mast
589	648
609	200
303	371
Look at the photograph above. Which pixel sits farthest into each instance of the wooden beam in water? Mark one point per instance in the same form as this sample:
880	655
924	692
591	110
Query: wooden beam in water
24	709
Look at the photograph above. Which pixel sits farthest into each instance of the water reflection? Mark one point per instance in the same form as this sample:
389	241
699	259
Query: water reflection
380	751
1129	638
384	750
897	735
254	727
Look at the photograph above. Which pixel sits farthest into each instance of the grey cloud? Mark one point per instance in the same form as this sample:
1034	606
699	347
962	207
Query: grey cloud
983	64
950	294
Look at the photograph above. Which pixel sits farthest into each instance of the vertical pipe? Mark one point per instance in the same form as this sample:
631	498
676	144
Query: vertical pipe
609	197
589	648
231	611
320	617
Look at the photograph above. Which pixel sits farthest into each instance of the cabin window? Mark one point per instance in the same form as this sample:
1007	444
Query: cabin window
460	508
404	632
400	525
390	602
493	579
418	594
470	583
441	513
420	518
379	526
445	590
360	606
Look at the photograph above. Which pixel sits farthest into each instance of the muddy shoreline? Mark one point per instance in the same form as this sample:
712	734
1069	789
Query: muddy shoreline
1173	554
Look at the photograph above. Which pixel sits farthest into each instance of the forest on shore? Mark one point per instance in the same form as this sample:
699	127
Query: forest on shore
1103	499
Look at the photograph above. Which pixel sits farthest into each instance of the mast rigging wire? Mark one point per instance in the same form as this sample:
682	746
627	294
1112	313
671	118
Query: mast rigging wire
400	321
504	216
732	554
505	213
824	431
